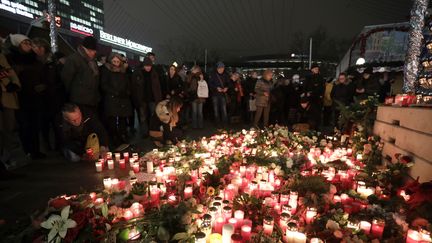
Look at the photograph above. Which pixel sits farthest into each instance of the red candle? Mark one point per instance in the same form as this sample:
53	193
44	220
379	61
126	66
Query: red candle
413	236
136	167
218	224
154	194
365	226
122	164
378	228
188	192
126	156
246	232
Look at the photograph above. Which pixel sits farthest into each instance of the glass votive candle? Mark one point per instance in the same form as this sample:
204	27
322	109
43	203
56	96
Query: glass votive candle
98	166
268	225
110	164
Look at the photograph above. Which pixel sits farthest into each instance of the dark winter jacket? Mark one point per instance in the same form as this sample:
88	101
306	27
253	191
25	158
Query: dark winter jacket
172	86
218	81
315	85
311	115
74	138
342	93
145	87
81	79
292	92
32	77
371	87
116	91
249	86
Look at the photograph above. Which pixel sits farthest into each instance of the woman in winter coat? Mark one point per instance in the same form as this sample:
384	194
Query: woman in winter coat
262	90
197	102
173	85
163	123
116	92
31	95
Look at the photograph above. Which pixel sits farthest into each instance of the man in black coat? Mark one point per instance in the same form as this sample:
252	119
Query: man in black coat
367	85
314	88
342	94
309	113
80	76
74	128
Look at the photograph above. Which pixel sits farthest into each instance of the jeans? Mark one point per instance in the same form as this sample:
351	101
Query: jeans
219	104
197	114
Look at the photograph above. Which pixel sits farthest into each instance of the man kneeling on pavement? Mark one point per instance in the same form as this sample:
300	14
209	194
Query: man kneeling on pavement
79	132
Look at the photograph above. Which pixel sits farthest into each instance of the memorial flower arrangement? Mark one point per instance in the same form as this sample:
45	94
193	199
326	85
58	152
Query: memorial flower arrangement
251	186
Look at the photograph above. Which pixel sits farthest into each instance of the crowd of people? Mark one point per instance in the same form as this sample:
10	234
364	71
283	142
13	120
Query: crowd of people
79	97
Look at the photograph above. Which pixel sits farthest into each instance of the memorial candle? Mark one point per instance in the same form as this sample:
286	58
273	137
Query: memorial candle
219	222
107	183
246	232
365	227
283	221
233	221
122	164
188	192
98	166
155	194
215	238
227	232
268	225
378	228
149	166
117	156
311	213
239	216
114	183
110	164
126	156
236	238
136	167
413	236
227	213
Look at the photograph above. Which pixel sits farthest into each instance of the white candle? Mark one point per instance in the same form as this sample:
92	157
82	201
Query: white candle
98	166
310	215
268	225
107	183
117	156
149	166
110	164
114	183
227	231
365	226
239	215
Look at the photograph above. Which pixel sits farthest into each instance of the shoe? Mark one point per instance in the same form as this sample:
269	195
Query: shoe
38	156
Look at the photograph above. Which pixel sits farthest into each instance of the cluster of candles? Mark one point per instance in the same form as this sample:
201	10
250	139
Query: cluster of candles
221	223
110	162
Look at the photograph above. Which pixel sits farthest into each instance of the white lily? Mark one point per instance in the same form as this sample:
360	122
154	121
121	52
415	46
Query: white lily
58	225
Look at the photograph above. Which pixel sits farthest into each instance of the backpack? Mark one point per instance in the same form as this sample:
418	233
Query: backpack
202	90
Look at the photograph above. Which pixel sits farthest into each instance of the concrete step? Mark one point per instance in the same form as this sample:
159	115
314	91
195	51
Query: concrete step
418	119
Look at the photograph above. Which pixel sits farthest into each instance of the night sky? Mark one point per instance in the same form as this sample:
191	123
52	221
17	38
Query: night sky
232	29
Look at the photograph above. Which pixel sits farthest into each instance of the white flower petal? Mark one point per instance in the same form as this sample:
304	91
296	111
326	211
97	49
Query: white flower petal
70	223
53	233
46	225
63	232
65	212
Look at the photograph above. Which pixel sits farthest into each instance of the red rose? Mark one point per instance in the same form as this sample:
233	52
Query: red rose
405	159
59	203
81	218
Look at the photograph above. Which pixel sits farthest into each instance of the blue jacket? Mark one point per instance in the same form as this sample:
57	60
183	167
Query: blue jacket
218	81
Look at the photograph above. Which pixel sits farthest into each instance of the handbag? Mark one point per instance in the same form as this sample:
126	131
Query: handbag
93	144
202	90
252	104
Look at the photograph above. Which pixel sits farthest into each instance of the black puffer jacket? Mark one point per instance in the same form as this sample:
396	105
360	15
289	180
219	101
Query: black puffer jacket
116	91
81	78
342	93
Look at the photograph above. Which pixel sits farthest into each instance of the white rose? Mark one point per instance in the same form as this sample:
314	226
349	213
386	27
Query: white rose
289	163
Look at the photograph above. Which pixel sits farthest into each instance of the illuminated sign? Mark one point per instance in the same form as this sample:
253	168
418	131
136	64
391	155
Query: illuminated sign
16	8
123	42
81	29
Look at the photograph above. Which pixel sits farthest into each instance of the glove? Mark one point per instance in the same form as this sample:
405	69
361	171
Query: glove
11	87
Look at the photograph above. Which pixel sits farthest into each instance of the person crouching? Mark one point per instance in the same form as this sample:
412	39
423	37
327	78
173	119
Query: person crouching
164	121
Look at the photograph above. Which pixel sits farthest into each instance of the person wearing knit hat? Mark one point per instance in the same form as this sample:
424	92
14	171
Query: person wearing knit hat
17	39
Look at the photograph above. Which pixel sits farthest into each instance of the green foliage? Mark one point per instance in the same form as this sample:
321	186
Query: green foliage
310	184
361	114
139	188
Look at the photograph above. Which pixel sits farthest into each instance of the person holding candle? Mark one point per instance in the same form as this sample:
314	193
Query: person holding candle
163	123
75	128
116	91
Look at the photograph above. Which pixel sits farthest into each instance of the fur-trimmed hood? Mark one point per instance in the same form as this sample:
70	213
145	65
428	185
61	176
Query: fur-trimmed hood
162	111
